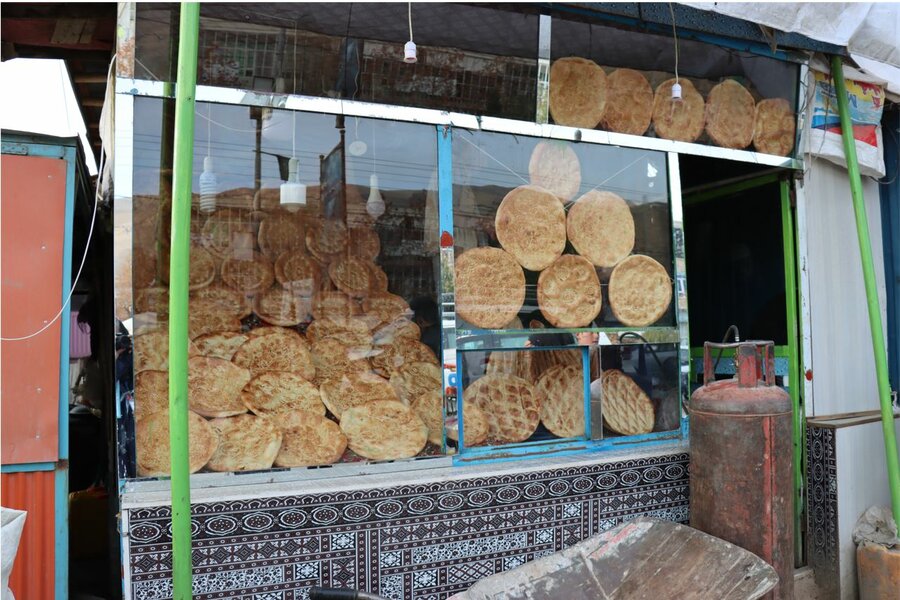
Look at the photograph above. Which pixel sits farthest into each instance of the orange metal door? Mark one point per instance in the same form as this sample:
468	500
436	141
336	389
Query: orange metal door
32	223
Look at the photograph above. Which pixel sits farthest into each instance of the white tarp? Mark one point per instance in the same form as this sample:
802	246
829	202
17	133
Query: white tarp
11	524
868	30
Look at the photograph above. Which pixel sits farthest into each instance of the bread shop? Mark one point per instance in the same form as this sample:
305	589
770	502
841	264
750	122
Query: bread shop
438	310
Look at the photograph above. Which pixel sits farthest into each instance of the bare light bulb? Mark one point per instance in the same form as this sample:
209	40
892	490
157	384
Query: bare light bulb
676	91
293	193
375	204
209	184
409	52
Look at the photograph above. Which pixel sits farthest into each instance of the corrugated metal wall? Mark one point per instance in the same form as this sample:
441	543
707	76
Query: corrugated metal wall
32	576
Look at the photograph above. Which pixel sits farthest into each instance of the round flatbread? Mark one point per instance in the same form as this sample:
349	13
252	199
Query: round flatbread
626	408
680	120
151	392
279	233
203	269
276	353
364	243
490	287
281	307
730	115
640	291
204	318
354	389
220	345
350	275
416	378
378	279
578	92
510	403
311	441
214	387
629	102
390	358
555	167
386	307
569	292
299	273
475	426
531	226
326	239
277	394
352	331
518	363
271	330
775	127
561	395
224	300
152	300
395	330
330	305
227	230
332	358
601	228
152	443
384	431
246	443
151	350
429	406
248	272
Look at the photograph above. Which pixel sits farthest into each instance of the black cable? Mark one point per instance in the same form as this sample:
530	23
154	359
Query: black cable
649	345
737	338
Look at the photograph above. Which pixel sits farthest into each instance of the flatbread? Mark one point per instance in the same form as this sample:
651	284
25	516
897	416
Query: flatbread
328	305
224	300
569	292
397	329
152	300
490	287
204	267
220	345
214	387
351	276
475	426
680	120
312	441
332	358
384	431
626	408
415	378
246	443
386	307
531	226
353	389
429	406
555	167
299	273
204	318
351	331
730	115
151	392
775	127
152	443
390	358
276	353
279	233
519	363
601	228
271	330
378	279
277	394
248	273
364	243
227	230
640	291
151	350
511	406
629	102
281	307
578	92
143	267
561	396
326	239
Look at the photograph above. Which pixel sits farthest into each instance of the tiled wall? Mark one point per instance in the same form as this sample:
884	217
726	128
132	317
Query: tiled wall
822	512
421	542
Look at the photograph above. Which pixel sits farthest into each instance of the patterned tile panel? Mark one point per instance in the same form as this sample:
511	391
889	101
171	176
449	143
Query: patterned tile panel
418	542
822	519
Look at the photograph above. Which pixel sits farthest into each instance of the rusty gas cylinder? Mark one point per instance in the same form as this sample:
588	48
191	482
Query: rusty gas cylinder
742	459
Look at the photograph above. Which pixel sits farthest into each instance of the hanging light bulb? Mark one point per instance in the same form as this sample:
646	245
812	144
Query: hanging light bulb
209	184
375	203
409	50
293	193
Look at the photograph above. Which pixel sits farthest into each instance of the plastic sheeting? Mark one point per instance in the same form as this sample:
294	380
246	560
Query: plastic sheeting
13	521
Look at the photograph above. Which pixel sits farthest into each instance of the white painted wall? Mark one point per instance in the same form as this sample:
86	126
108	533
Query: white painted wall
842	358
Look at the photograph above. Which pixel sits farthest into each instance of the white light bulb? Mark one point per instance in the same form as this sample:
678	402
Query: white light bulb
208	186
409	52
375	204
293	193
676	91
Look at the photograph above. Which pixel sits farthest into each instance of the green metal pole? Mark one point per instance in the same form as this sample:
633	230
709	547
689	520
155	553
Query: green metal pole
794	381
178	298
865	251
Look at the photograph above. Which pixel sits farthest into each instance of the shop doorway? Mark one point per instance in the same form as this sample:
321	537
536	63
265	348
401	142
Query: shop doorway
740	246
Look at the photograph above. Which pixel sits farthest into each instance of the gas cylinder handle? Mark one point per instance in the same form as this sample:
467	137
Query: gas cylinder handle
760	354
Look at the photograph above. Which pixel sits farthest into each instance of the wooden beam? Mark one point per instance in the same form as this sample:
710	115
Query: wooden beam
86	78
92	102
